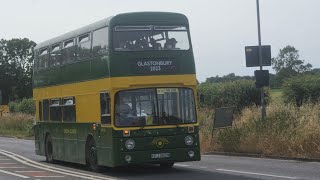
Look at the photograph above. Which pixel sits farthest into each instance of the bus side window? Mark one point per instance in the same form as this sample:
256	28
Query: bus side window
84	46
55	55
46	110
105	108
43	58
69	109
36	60
55	110
40	110
100	42
69	51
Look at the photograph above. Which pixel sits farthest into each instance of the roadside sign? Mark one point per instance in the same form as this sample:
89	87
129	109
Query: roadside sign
223	117
252	56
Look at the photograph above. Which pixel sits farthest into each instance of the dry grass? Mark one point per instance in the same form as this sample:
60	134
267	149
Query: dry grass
288	131
16	124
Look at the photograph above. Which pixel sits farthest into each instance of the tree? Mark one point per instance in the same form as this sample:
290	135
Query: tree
16	61
289	59
288	64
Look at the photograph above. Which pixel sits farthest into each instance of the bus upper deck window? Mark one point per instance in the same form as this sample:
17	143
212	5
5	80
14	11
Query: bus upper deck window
43	58
84	46
69	51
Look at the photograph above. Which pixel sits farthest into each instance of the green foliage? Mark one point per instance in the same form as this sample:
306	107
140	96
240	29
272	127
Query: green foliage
228	78
239	94
302	89
287	64
17	124
26	106
16	61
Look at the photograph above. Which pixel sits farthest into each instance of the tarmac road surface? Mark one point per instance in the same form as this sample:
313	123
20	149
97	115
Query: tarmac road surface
18	161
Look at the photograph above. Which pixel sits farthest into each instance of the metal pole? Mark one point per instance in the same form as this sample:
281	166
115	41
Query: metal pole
263	110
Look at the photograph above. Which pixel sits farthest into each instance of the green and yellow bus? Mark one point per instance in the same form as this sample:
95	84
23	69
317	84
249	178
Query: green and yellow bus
117	92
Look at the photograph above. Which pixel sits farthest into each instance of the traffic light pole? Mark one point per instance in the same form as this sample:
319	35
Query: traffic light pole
263	105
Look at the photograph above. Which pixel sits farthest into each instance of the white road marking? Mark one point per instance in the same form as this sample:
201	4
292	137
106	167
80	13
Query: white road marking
29	171
182	165
259	174
48	176
14	167
35	164
14	174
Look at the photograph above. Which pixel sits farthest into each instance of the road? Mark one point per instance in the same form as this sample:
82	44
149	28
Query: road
18	161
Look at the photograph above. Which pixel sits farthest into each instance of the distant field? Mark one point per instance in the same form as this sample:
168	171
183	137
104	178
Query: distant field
276	95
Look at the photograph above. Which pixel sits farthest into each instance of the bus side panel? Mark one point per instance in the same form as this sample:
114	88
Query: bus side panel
57	135
105	147
37	140
70	142
84	130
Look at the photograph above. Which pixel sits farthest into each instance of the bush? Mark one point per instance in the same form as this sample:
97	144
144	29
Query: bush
302	89
239	94
288	131
17	124
26	106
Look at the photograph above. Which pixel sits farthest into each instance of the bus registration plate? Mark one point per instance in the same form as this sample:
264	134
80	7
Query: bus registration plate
160	155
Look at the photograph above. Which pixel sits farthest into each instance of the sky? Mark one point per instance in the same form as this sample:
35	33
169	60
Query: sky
220	29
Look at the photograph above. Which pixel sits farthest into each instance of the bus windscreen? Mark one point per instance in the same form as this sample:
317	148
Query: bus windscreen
160	106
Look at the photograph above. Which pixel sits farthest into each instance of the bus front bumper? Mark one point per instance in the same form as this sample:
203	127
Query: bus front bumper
159	156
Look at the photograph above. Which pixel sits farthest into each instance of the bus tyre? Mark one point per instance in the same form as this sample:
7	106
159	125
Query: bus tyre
49	150
91	156
166	165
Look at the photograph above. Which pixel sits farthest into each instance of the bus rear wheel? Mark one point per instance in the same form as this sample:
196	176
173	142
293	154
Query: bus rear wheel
49	149
91	156
167	165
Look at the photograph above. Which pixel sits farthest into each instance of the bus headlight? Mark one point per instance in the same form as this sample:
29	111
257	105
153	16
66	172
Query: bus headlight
191	154
188	140
130	144
128	158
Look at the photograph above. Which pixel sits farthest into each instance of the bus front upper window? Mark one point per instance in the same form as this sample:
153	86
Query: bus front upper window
133	38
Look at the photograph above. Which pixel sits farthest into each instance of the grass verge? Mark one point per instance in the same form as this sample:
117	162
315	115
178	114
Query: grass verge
17	125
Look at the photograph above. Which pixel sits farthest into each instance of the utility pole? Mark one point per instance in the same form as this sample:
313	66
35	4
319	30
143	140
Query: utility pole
263	109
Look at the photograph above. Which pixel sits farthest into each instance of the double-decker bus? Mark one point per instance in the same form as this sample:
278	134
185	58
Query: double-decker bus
117	92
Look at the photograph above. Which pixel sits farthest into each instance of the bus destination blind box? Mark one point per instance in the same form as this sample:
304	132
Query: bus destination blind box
252	56
262	78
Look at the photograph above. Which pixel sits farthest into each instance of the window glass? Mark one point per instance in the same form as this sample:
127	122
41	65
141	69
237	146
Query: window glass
84	46
68	51
105	108
135	38
43	58
100	41
55	55
69	109
40	110
55	110
36	60
161	106
46	110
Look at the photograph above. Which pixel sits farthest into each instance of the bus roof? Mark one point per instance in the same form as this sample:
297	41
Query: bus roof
74	33
120	18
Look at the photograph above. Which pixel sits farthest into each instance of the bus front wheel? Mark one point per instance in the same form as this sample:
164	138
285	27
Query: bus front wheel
91	155
49	149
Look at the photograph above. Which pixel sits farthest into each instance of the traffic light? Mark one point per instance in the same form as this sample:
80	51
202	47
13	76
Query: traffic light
262	78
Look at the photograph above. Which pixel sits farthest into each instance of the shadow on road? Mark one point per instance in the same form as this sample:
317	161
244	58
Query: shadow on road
155	172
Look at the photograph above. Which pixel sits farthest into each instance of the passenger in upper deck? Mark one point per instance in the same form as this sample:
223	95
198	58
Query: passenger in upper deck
170	44
155	45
